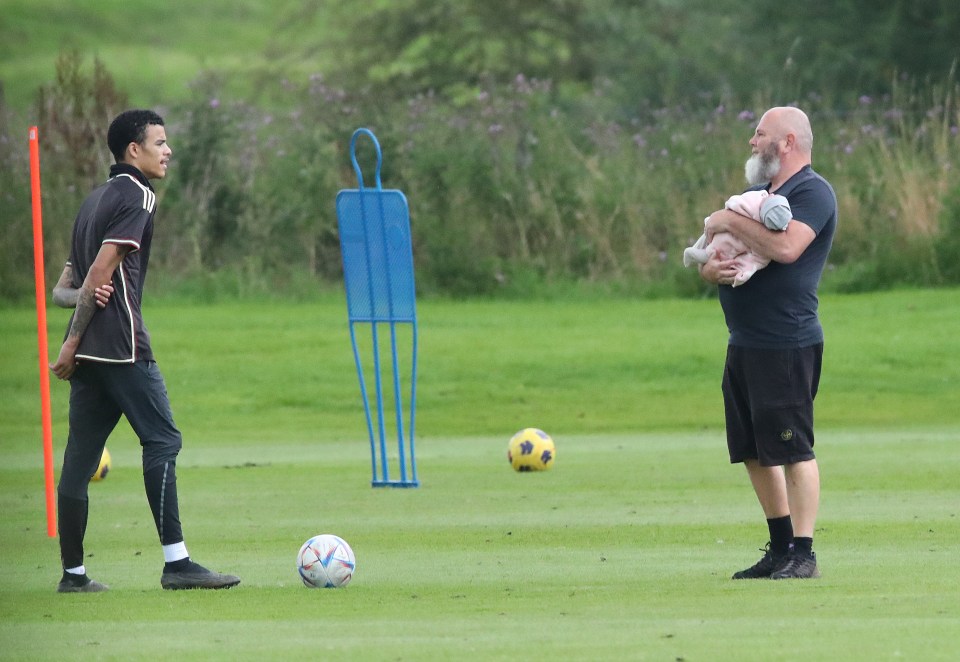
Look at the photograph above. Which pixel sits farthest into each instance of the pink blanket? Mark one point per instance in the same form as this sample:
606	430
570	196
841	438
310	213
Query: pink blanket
771	210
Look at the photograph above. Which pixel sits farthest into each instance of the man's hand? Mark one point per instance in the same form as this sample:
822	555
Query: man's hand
717	222
718	272
66	362
102	294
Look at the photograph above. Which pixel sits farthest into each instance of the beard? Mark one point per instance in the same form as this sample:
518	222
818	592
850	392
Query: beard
762	167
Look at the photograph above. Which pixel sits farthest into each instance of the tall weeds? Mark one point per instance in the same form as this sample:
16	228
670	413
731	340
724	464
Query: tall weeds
899	162
516	189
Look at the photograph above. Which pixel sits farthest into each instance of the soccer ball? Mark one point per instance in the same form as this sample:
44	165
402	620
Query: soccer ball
326	561
104	467
531	450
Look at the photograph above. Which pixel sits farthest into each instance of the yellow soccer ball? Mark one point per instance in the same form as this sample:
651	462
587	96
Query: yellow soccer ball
104	467
531	450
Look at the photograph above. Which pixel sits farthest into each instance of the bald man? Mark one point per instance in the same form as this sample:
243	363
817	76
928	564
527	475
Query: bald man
775	349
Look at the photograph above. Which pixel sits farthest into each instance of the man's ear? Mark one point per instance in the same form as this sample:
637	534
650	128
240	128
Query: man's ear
133	151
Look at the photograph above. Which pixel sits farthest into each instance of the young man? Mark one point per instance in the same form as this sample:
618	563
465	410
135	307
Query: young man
775	348
106	355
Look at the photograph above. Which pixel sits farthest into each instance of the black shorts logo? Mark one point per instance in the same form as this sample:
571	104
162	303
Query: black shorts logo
786	435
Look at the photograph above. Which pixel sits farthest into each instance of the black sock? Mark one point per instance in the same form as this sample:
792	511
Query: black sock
178	566
76	580
803	546
781	534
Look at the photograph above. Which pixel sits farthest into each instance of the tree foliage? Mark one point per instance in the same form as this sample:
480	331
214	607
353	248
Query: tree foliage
409	46
827	47
648	52
539	141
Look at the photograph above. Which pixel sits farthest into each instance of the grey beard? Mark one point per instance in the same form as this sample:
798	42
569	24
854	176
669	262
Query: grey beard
761	168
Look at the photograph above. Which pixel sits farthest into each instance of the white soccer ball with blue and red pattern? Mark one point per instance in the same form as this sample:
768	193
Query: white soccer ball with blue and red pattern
326	561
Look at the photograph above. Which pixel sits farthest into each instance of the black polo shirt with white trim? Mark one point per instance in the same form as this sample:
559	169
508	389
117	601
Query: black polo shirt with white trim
119	211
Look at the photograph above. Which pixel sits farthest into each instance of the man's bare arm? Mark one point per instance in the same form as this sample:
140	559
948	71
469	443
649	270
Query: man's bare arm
65	294
101	271
719	272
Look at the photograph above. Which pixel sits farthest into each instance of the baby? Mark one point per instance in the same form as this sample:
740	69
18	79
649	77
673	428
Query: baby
771	210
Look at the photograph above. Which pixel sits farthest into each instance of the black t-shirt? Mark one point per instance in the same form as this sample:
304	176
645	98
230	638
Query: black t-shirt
119	211
777	307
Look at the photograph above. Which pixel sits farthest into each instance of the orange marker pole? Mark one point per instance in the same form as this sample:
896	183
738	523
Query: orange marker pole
42	332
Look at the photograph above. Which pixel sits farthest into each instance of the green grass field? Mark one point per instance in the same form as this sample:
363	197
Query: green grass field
175	44
623	551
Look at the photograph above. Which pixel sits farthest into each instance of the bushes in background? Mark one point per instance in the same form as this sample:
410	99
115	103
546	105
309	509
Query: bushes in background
513	189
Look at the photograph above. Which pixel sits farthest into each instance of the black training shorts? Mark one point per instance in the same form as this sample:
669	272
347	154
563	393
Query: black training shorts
768	400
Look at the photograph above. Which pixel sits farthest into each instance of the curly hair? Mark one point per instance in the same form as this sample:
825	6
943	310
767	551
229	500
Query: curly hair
130	126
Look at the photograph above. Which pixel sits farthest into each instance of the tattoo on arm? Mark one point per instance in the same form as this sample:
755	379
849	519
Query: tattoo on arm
65	298
86	307
64	293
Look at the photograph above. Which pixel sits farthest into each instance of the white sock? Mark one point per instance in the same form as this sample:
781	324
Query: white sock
79	570
175	552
